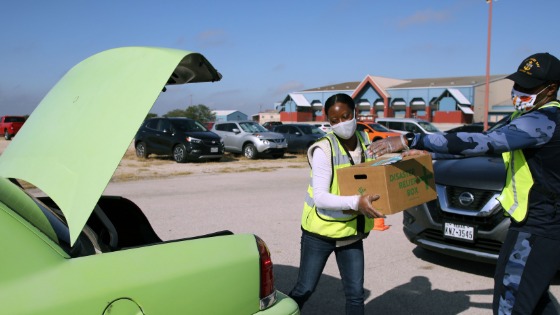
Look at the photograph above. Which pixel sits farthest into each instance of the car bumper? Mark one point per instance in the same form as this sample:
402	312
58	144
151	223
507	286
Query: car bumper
284	306
202	152
423	225
272	147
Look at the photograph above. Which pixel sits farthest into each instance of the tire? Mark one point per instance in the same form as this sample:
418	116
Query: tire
250	151
141	150
7	135
375	139
180	153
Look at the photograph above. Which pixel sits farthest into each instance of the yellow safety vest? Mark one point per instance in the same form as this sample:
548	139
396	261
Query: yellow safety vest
328	223
519	180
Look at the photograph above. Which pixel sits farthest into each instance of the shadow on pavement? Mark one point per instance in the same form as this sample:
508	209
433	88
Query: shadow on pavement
414	297
473	267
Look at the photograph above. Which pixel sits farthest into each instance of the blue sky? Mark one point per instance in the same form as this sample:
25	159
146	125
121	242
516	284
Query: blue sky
267	49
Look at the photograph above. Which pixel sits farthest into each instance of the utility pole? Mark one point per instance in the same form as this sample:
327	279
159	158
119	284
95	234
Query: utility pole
487	92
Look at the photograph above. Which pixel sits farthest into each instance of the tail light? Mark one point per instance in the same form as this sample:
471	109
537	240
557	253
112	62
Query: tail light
267	290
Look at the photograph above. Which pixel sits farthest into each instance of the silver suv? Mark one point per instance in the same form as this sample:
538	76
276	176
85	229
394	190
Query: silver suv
405	125
250	138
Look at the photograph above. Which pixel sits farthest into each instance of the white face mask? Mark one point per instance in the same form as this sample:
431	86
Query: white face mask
524	102
345	129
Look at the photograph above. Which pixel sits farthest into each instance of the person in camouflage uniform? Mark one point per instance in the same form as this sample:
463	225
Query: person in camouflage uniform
530	145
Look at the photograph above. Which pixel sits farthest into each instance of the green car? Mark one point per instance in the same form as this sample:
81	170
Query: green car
68	249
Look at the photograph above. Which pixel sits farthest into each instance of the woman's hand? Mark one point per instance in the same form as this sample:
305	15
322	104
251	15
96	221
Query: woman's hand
387	145
365	207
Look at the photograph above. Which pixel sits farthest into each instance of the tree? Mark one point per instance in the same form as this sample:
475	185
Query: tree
151	115
175	113
200	113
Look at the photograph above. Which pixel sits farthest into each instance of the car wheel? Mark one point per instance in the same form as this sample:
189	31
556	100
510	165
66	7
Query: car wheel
141	150
180	153
250	151
376	138
7	135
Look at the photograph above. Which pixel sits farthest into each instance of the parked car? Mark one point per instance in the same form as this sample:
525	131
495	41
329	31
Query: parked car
324	126
271	124
69	249
299	136
474	127
375	131
250	138
183	138
405	125
466	220
10	125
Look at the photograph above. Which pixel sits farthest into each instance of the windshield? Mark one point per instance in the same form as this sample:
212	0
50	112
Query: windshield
428	127
252	127
188	125
15	119
313	130
378	127
500	123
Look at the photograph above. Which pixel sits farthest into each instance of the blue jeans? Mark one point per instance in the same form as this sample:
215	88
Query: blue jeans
350	261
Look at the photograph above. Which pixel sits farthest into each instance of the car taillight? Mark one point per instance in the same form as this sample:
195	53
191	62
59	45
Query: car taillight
267	291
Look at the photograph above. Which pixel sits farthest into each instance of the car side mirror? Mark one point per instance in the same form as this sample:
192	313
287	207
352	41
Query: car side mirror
298	133
235	130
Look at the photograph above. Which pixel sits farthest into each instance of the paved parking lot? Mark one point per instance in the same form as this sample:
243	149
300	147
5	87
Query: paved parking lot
400	279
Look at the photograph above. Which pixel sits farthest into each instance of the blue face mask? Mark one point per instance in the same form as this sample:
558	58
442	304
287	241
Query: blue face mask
345	129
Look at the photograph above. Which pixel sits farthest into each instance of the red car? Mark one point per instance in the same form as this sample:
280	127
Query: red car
10	125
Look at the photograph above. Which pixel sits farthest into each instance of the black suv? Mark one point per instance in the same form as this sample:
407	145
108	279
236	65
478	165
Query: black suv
183	138
466	220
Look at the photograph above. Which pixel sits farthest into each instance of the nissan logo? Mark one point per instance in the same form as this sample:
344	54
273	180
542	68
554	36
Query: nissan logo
466	198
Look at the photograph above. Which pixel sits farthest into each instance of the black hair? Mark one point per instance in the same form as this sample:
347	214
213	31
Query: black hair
339	98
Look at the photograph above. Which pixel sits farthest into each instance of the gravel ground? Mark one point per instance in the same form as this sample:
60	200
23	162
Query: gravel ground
133	168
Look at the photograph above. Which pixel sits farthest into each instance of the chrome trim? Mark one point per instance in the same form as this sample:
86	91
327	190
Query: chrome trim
268	301
489	208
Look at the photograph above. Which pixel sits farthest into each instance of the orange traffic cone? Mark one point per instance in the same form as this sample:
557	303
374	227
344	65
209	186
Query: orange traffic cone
379	224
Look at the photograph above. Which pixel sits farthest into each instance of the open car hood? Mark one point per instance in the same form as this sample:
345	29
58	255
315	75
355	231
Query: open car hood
73	141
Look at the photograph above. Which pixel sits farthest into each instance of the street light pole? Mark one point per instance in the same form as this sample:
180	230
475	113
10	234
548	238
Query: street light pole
487	92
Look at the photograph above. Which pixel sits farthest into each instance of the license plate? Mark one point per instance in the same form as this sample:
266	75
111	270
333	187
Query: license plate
458	231
214	149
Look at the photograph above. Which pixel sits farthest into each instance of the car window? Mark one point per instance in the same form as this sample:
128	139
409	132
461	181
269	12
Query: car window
164	125
252	127
152	124
317	131
360	127
188	125
308	129
500	123
226	127
395	125
412	128
292	130
428	127
379	127
15	119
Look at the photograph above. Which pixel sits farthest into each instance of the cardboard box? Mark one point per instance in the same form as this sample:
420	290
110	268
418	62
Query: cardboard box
400	183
